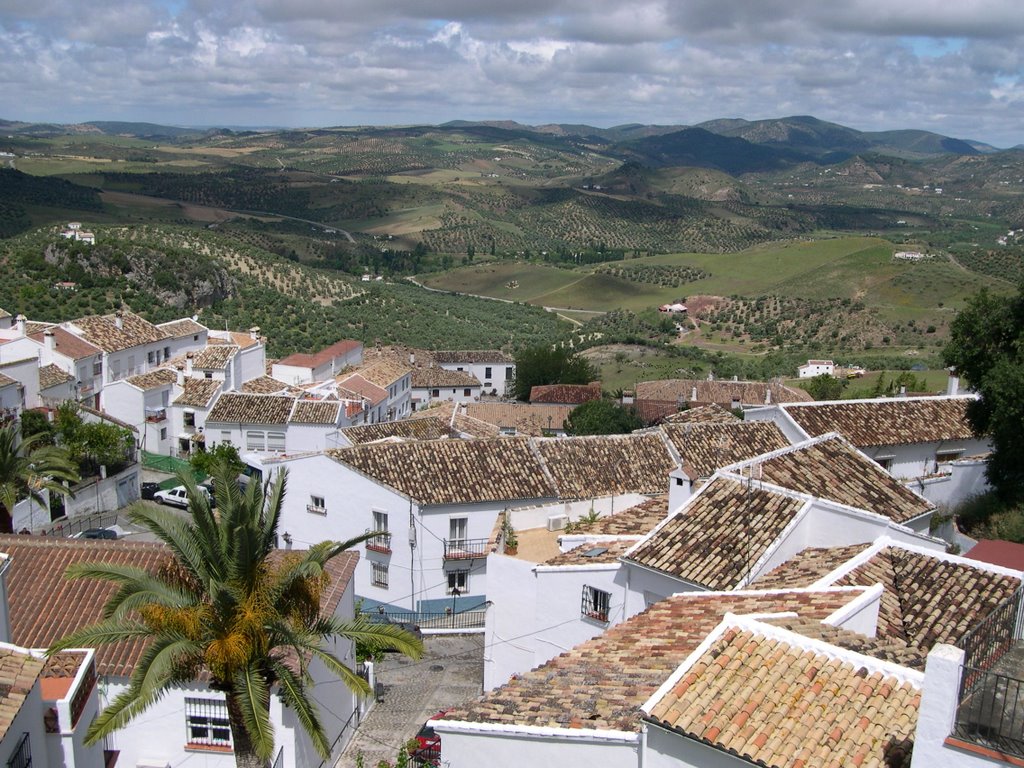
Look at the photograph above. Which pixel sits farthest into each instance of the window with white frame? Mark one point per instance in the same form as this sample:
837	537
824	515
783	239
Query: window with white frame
596	603
206	722
379	574
885	462
317	505
225	436
255	440
458	529
458	581
189	418
275	441
380	520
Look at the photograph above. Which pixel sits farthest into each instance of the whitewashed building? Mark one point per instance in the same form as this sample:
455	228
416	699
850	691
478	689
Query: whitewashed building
813	368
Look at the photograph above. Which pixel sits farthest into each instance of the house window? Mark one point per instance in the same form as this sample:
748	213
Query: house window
508	373
254	440
275	441
317	505
380	521
206	723
595	603
885	462
944	457
379	575
151	357
457	531
435	393
167	353
190	418
208	375
97	368
465	392
458	582
487	372
196	337
163	433
225	436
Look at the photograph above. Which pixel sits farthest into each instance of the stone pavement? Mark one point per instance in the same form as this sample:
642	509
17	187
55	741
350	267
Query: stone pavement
450	672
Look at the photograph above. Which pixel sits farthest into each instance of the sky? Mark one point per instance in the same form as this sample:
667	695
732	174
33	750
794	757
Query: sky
956	68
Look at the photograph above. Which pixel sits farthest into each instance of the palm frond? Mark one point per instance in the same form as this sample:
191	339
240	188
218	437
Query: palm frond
376	636
253	698
108	631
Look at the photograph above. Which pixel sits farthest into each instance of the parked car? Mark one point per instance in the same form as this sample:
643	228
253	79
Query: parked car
96	533
149	490
428	743
378	617
177	496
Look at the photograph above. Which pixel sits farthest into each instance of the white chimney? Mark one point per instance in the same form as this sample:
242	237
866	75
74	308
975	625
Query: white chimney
180	369
903	391
19	324
693	394
735	403
953	383
119	320
680	488
767	397
188	364
49	340
254	333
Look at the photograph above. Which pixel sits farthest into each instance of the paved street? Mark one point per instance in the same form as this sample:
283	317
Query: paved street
450	672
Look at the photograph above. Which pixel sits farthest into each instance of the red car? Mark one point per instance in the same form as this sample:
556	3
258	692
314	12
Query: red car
428	744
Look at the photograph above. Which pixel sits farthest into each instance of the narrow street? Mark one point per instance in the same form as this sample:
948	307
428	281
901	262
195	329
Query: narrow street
450	672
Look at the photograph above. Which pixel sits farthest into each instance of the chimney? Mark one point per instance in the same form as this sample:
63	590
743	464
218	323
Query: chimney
19	324
903	391
188	363
767	397
195	318
412	359
254	333
180	369
953	383
735	403
693	394
49	340
735	378
119	319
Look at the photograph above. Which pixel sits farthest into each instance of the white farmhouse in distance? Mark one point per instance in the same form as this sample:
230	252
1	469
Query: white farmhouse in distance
813	368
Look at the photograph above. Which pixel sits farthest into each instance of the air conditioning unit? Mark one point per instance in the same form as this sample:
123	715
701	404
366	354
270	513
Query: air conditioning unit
557	522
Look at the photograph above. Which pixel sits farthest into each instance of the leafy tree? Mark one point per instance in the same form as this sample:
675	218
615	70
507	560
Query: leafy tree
36	423
227	606
93	445
225	453
536	366
986	346
27	469
825	387
601	417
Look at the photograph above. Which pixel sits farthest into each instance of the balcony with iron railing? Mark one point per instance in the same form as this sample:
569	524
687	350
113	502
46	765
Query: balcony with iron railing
465	549
156	415
379	542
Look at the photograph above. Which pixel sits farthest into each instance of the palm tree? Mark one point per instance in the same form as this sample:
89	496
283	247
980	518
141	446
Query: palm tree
226	604
28	469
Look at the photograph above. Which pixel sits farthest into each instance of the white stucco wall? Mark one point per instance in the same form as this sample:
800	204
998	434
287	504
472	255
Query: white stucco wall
966	478
666	749
506	750
29	719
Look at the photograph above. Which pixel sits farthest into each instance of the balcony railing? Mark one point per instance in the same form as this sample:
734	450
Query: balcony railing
465	549
316	510
991	711
22	755
156	416
380	542
427	621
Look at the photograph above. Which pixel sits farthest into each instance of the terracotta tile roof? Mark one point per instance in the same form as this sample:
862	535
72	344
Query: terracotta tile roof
68	344
361	387
929	599
161	377
602	553
407	429
470	356
214	358
19	672
586	467
603	682
453	471
237	408
44	606
315	412
526	418
467	425
832	469
425	378
707	446
566	394
752	691
179	329
102	331
198	393
716	539
33	327
895	421
265	385
53	376
808	566
6	381
888	649
634	521
721	392
382	371
4	312
1005	553
703	414
325	355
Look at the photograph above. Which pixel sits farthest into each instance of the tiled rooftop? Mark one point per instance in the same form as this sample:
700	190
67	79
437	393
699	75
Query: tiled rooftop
526	418
721	392
637	520
214	358
265	385
719	535
362	387
702	414
102	331
44	606
33	327
161	377
315	412
7	381
471	356
179	329
600	553
426	378
67	343
896	421
603	682
565	394
832	469
808	566
18	674
781	705
237	408
708	446
453	471
53	376
586	467
407	429
381	370
325	355
198	393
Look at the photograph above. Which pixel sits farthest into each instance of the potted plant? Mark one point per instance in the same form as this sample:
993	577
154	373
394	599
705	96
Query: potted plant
508	537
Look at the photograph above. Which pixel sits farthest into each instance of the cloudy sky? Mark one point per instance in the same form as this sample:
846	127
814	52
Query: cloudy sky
951	67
